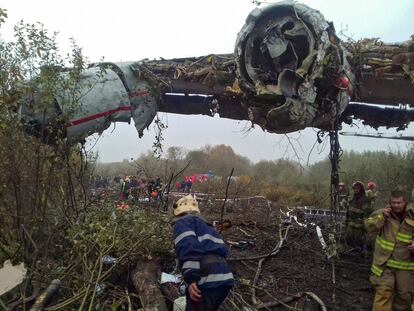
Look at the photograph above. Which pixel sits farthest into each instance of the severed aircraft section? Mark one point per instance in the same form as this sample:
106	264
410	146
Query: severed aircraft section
289	71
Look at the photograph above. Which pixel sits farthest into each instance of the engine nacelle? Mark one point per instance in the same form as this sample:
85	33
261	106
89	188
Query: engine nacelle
289	57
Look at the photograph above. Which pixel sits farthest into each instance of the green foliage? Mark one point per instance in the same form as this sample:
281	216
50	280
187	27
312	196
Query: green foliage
160	127
3	16
46	216
220	159
104	228
41	186
281	170
128	236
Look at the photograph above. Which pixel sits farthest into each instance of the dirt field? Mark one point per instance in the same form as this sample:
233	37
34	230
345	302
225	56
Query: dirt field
299	267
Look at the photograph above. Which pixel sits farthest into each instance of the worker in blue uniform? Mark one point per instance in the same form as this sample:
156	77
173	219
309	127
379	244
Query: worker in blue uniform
201	254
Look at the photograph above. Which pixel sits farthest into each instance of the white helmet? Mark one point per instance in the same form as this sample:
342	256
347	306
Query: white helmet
185	205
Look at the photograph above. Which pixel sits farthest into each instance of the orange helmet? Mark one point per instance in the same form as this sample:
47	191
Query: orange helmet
154	194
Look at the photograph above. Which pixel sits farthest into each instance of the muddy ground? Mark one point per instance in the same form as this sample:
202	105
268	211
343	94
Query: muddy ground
300	266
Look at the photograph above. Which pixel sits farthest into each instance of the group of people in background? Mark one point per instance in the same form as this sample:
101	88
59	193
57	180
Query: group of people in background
154	188
184	186
151	188
99	181
130	186
368	193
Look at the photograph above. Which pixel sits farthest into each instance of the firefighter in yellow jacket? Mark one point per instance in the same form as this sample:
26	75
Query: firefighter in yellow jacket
393	264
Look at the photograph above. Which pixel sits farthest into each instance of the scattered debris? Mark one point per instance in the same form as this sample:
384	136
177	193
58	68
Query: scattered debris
170	278
179	304
108	260
240	244
45	297
11	276
100	289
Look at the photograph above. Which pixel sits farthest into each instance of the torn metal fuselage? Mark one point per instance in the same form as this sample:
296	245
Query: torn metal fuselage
105	93
289	59
289	71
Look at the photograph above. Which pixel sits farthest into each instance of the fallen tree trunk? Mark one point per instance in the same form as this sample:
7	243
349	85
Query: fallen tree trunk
146	278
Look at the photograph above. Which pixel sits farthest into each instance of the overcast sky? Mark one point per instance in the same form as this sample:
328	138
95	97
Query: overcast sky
128	30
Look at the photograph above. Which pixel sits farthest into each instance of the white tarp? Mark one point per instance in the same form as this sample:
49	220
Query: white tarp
11	276
169	278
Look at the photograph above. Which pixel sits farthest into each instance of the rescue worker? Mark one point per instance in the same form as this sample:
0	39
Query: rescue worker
371	194
201	255
150	188
358	209
158	187
183	186
126	188
343	196
189	185
393	263
121	194
142	187
178	186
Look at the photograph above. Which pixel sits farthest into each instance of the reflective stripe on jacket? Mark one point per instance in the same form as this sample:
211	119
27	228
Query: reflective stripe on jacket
196	241
392	241
358	210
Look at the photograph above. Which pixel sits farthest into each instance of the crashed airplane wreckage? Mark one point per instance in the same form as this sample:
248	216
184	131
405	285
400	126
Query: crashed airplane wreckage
289	71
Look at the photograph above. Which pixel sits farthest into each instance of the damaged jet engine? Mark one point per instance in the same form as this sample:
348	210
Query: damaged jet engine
289	71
